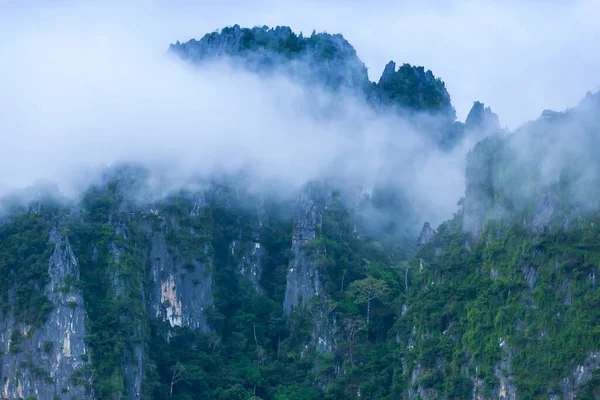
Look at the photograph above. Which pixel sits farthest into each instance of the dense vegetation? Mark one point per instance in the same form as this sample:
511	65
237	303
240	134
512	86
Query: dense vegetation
513	307
453	313
513	294
24	253
413	88
254	350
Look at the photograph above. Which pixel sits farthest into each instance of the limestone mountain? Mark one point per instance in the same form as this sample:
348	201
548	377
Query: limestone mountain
329	60
221	291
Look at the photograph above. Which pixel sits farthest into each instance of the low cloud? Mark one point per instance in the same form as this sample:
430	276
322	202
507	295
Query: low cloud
85	87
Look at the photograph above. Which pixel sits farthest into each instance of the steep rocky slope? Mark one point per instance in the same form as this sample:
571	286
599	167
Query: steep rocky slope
516	270
49	356
228	292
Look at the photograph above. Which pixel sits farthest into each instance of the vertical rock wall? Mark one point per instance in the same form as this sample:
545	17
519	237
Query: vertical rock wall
179	293
51	361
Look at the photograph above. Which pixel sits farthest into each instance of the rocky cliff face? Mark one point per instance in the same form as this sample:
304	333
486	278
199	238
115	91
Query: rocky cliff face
580	375
303	282
543	173
51	361
303	285
165	297
413	88
479	195
512	205
482	120
180	293
426	235
248	251
163	261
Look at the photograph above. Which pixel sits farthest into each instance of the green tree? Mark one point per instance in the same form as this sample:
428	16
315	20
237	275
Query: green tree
366	290
178	374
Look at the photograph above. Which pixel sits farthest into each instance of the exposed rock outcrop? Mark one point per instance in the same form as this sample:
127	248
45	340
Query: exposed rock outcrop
426	235
51	361
412	88
479	194
180	293
581	374
303	277
303	285
482	120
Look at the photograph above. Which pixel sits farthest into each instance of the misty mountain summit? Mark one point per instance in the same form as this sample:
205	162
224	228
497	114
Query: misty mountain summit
159	282
319	58
330	61
482	118
426	235
414	88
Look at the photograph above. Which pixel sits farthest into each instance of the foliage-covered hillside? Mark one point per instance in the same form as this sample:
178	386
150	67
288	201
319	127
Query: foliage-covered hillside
246	346
229	293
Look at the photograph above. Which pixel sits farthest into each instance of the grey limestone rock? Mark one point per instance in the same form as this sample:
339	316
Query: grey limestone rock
426	235
51	361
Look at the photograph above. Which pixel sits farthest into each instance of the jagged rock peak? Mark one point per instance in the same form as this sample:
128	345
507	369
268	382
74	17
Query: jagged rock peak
482	118
45	365
233	40
388	72
329	58
412	87
591	99
479	192
426	235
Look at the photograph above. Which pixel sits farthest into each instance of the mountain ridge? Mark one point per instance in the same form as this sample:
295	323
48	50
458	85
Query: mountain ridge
329	60
221	291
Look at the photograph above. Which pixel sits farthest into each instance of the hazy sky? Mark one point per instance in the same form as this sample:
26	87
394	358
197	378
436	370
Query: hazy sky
519	57
83	85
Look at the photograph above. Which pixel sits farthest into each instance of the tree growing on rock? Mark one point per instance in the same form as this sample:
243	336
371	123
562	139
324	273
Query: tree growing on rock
366	290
